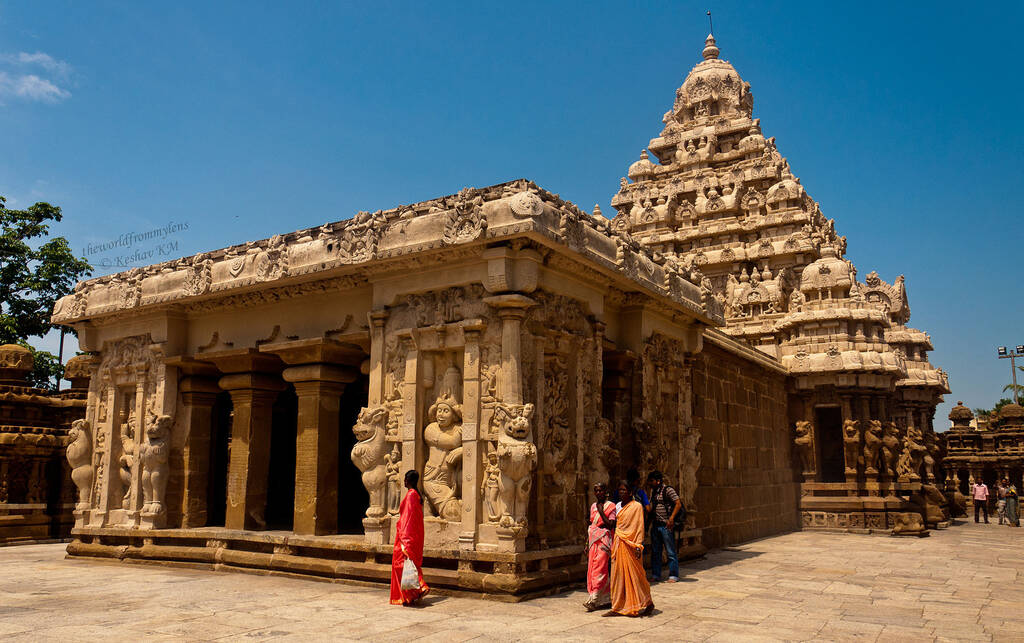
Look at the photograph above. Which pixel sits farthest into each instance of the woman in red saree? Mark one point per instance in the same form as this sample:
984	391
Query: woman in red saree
631	593
599	549
408	544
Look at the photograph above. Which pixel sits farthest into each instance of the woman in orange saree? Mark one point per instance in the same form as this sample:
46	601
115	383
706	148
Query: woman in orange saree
408	544
631	593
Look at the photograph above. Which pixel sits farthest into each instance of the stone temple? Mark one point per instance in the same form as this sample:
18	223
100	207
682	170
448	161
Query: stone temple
256	406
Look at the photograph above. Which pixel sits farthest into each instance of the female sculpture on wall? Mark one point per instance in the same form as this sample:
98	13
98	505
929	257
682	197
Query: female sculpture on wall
444	458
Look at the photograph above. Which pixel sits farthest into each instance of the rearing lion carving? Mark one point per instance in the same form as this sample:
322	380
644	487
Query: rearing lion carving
368	455
79	455
517	457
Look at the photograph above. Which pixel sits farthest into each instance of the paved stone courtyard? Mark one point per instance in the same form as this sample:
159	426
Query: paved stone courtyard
964	583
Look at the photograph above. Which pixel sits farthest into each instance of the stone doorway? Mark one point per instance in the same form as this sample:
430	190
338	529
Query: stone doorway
965	481
220	448
353	499
989	476
1015	479
280	511
829	421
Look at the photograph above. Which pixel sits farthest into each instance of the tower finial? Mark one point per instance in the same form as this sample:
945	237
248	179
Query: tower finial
710	50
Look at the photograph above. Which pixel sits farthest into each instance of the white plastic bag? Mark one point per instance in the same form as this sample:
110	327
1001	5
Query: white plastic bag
410	575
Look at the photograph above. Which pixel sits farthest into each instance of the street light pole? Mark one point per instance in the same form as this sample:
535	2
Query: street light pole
1004	354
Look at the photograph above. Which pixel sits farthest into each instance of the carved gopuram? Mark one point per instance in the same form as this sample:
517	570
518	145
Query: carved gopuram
257	406
988	451
722	200
36	493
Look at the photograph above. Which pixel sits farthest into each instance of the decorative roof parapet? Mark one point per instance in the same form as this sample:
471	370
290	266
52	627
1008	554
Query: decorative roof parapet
356	246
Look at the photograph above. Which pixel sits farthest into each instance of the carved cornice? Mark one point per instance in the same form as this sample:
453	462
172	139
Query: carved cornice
349	253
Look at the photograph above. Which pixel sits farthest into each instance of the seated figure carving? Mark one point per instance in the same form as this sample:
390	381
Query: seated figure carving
444	458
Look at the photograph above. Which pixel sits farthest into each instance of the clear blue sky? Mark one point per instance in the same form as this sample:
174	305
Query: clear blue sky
247	119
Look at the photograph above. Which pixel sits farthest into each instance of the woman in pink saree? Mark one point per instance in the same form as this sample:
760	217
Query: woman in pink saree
599	548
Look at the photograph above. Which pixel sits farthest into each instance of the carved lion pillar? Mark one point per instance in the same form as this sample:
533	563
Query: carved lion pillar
253	396
851	439
517	454
198	395
319	388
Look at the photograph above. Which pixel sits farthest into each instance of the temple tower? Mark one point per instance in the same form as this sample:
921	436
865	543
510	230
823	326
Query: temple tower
715	197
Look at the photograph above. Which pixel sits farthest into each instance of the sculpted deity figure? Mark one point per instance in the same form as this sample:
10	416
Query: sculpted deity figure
872	443
517	458
492	485
79	455
444	458
153	455
392	464
930	453
127	459
804	441
689	464
851	444
368	455
891	448
913	452
605	452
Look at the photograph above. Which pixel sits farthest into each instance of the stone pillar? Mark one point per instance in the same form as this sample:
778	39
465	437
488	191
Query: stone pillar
850	453
319	388
511	310
105	466
472	460
198	395
5	484
319	368
253	396
375	396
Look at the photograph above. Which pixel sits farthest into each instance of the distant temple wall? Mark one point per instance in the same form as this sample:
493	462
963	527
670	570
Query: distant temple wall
747	484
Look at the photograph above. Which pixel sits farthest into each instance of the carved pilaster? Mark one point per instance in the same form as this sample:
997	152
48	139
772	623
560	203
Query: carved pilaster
472	457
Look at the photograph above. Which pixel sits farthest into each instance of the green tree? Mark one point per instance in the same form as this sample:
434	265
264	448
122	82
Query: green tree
1020	387
35	271
995	409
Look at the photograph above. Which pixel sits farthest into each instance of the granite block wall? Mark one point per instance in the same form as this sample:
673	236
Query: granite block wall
747	483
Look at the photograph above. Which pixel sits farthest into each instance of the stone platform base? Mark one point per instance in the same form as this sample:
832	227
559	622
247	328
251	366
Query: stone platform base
493	575
861	508
29	523
689	545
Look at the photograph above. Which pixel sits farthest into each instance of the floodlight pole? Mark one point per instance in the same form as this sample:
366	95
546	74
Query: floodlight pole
1013	372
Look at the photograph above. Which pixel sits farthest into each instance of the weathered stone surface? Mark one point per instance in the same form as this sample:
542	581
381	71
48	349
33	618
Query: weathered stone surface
39	488
959	584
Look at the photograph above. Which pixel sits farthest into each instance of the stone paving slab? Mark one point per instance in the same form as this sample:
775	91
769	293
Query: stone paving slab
965	583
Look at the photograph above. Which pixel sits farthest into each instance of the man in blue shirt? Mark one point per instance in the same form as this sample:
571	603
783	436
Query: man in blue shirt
633	479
